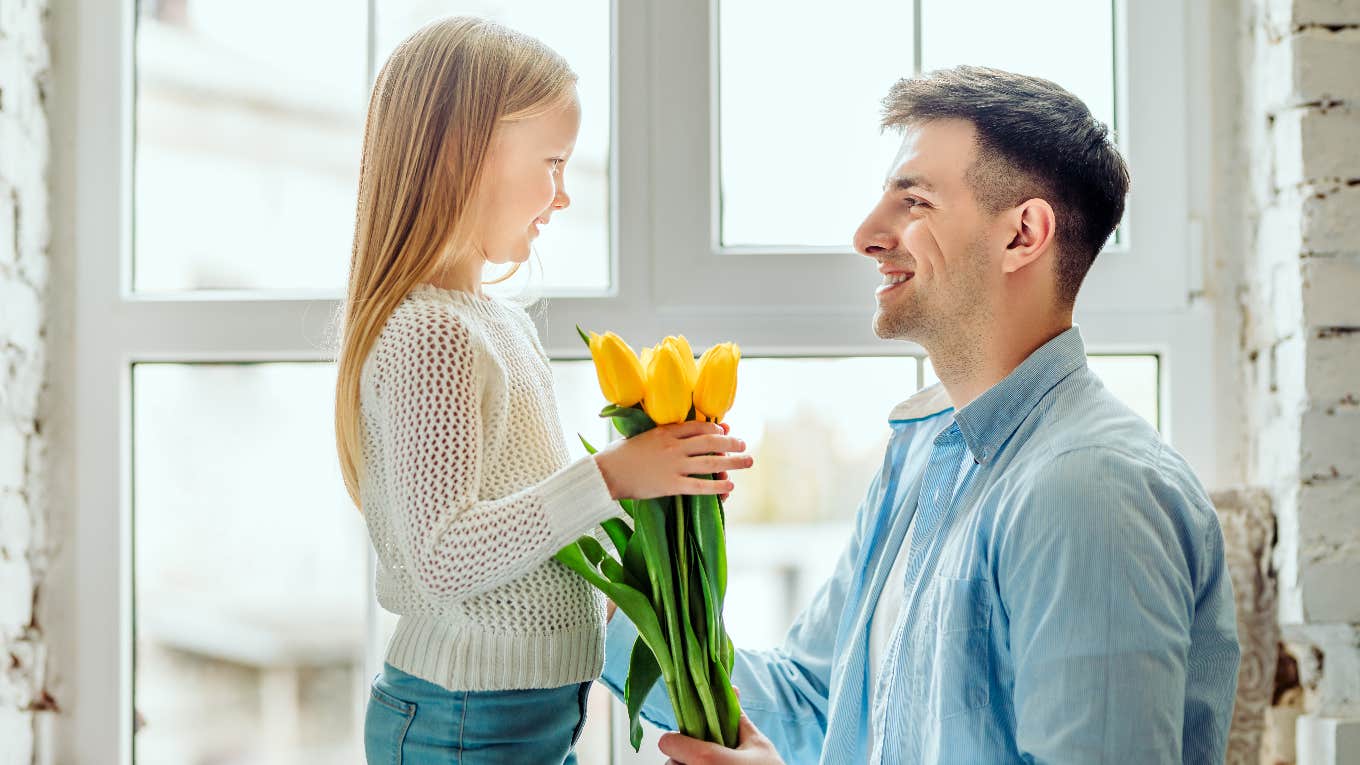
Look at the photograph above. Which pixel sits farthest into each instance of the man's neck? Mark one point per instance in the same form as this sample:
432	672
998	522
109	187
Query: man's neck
969	366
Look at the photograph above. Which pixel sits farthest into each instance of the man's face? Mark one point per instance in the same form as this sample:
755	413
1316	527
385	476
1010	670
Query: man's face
931	238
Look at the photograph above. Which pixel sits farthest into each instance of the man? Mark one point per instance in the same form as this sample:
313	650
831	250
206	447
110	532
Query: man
1034	576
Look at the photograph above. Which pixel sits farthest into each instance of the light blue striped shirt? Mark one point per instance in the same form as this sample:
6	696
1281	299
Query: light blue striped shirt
1069	603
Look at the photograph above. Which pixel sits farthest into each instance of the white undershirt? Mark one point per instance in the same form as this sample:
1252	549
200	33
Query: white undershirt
883	625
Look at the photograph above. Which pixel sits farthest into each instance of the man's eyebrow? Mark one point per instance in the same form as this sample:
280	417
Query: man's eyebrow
904	182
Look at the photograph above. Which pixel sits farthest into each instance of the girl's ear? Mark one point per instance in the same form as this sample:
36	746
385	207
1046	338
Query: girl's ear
1033	229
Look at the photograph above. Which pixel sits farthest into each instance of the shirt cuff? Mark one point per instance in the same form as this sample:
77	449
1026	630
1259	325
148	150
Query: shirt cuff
576	500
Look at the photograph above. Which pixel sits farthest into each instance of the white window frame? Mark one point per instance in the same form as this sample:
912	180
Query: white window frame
1141	299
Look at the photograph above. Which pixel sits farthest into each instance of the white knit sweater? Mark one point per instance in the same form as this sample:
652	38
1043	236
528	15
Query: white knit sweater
468	491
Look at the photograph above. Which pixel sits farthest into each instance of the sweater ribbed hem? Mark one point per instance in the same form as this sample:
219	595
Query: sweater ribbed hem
463	657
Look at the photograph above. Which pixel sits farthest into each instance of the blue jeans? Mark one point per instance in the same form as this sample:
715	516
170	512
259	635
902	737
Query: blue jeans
411	721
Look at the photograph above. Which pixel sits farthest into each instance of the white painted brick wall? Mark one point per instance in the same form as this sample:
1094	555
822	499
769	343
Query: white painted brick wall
1328	222
24	236
1308	67
1284	13
1330	136
1301	343
1331	288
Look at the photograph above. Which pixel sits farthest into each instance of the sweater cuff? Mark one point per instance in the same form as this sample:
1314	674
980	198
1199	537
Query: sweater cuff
576	500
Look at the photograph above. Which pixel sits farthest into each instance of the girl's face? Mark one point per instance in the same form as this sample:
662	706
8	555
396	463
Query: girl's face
523	182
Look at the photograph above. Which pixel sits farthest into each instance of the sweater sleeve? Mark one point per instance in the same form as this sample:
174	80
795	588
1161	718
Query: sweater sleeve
432	380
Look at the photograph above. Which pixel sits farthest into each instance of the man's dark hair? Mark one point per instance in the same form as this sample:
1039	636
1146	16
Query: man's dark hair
1035	140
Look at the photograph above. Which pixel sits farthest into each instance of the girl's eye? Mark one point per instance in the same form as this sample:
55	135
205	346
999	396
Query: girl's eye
557	161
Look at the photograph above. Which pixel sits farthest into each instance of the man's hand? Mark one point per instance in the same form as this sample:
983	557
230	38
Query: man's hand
752	749
609	609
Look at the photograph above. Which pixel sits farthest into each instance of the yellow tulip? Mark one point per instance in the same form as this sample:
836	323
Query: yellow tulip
716	387
669	394
621	375
686	357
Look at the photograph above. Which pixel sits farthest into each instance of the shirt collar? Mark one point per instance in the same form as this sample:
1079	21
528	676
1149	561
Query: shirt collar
927	403
992	418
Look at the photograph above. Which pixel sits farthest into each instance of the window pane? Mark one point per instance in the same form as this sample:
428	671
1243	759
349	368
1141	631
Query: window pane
574	250
578	406
802	157
1070	42
1133	380
250	568
249	123
817	429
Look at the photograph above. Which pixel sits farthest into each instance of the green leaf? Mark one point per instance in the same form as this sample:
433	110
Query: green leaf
635	561
593	549
585	337
628	420
709	530
589	449
712	614
710	548
574	558
696	661
619	533
643	672
620	575
728	705
632	603
651	529
695	651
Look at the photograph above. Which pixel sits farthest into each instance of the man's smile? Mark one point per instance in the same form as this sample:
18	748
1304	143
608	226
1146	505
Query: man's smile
892	278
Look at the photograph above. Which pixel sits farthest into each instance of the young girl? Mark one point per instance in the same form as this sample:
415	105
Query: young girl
446	424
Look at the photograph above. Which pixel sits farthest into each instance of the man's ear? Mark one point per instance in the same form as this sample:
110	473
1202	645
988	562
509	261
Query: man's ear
1034	227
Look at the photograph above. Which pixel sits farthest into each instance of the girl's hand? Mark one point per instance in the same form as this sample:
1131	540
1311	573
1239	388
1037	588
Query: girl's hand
662	461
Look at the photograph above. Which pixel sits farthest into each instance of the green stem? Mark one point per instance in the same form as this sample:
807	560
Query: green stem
651	526
695	652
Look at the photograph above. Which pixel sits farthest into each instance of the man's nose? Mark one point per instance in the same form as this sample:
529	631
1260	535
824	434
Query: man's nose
873	237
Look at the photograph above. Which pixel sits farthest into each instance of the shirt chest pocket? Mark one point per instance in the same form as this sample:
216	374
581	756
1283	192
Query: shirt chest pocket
962	668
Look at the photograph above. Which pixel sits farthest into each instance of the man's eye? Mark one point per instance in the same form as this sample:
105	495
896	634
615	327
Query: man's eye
913	202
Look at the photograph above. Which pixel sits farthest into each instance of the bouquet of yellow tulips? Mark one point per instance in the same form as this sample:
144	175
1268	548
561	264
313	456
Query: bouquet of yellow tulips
670	576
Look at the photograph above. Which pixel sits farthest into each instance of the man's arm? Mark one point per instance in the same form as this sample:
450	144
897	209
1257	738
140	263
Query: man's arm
1094	571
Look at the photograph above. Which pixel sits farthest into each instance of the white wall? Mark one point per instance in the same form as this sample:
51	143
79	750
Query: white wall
1298	293
24	235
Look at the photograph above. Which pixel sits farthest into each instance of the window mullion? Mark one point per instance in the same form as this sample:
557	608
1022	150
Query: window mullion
244	330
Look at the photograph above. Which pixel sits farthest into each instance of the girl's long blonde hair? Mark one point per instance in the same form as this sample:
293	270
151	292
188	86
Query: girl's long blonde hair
434	109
